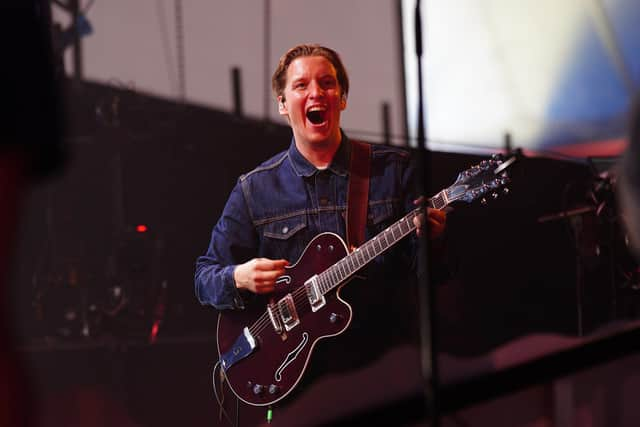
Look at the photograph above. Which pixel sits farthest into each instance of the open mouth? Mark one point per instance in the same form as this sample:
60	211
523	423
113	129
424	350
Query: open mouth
317	115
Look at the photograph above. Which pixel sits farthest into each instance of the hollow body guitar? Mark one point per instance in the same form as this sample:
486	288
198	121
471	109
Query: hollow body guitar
265	348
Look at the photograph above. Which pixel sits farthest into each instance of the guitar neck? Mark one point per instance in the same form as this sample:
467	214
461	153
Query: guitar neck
350	264
440	200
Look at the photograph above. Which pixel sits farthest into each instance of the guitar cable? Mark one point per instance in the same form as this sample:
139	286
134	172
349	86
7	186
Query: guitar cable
218	397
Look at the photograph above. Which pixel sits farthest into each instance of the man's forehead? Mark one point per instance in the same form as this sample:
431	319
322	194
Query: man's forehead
305	65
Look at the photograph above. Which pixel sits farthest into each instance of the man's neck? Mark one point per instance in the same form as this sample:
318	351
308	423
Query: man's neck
319	155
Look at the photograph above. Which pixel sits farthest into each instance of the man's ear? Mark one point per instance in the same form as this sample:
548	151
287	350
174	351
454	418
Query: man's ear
343	102
282	106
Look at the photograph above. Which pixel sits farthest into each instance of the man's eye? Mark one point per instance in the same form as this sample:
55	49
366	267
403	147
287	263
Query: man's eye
329	83
298	86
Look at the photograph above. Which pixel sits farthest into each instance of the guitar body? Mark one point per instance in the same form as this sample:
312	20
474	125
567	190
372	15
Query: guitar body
278	362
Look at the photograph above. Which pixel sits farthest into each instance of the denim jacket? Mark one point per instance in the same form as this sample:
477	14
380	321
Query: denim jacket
277	208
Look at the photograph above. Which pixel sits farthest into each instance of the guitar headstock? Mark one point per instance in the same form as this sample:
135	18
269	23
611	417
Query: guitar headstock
486	179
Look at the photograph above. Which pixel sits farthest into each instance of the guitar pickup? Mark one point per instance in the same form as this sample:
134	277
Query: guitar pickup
288	312
316	298
275	321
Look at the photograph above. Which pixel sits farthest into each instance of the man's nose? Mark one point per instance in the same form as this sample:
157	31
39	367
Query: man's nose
316	89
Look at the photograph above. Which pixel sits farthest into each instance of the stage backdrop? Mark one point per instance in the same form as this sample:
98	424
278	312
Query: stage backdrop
552	74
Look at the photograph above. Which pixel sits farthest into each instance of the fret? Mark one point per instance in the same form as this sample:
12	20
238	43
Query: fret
322	279
393	232
350	263
439	201
383	242
404	227
343	275
356	258
365	258
386	239
347	269
376	245
396	233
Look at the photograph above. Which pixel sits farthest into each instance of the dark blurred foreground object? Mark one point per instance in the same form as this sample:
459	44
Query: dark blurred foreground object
30	149
629	196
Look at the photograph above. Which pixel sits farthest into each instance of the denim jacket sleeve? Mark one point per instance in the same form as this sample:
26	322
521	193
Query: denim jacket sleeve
233	241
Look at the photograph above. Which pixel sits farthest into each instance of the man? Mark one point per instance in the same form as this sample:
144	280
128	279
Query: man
275	210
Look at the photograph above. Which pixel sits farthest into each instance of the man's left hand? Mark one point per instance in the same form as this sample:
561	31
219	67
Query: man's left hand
437	221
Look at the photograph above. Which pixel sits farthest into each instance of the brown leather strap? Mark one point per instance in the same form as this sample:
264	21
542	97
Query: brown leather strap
358	196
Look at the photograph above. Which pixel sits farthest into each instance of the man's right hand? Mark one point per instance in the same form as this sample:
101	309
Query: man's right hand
259	275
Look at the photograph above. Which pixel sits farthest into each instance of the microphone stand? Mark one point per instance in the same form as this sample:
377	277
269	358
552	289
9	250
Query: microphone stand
426	292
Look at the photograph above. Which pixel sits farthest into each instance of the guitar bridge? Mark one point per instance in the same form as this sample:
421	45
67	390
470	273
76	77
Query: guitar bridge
316	299
288	312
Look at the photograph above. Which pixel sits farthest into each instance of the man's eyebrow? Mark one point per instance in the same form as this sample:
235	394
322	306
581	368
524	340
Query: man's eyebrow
331	75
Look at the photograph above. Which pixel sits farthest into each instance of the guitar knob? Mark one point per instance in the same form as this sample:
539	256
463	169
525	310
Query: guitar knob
483	201
258	389
494	195
505	190
273	389
333	317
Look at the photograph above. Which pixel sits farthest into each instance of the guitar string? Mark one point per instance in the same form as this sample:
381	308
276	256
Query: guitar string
299	294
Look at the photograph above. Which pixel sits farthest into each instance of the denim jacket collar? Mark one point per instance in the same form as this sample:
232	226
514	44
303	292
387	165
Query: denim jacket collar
339	165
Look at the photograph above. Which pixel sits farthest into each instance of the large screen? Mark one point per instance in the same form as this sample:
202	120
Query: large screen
555	76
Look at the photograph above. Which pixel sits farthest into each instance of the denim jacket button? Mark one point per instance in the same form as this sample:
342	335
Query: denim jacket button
285	230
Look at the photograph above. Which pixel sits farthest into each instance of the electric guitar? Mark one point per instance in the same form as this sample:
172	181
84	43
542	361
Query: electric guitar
264	349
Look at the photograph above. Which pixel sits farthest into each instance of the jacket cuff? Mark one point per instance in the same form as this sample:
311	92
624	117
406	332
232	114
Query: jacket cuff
230	287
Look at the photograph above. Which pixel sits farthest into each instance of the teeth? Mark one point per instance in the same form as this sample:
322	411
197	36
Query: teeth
318	108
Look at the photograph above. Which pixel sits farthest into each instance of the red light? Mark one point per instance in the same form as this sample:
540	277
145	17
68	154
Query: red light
154	332
141	228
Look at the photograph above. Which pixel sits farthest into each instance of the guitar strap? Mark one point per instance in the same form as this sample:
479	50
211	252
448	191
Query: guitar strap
358	195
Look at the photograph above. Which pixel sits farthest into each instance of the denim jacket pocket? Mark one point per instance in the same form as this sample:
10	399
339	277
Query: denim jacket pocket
285	238
286	228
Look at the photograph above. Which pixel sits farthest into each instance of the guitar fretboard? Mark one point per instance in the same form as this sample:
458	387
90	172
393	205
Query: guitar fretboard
347	266
439	201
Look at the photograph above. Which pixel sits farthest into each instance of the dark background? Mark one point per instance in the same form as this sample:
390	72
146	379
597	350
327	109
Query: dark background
88	287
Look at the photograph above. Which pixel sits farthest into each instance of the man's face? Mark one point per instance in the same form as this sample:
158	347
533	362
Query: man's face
313	100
